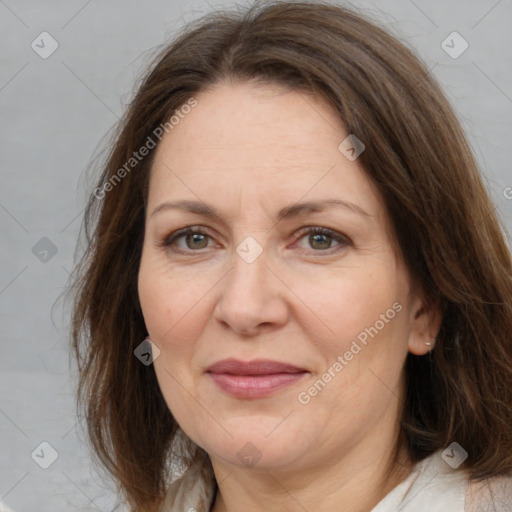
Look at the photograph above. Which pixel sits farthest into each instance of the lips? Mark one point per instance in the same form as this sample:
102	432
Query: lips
253	379
254	367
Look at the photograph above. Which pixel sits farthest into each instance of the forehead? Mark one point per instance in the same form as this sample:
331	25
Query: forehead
248	117
263	140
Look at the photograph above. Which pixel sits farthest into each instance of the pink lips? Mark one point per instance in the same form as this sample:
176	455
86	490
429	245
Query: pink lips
253	379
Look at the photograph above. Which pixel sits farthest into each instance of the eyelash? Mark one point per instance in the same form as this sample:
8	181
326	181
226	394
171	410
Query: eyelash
343	241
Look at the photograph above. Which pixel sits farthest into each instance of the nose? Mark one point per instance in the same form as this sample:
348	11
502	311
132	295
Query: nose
252	298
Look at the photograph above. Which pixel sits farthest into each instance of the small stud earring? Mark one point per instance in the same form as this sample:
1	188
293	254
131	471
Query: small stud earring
428	343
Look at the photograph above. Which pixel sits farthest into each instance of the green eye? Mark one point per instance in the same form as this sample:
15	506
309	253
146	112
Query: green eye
319	239
194	239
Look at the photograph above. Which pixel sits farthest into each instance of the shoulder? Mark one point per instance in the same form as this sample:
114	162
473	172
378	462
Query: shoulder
490	495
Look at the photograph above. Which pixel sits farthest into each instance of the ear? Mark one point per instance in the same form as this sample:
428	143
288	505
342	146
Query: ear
426	318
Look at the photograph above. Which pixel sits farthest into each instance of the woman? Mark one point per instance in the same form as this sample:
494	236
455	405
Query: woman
339	337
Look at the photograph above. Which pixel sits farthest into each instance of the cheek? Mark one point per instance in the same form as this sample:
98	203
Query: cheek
360	339
175	311
363	359
172	307
347	303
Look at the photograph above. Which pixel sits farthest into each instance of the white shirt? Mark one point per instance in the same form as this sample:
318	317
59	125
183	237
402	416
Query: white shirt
433	486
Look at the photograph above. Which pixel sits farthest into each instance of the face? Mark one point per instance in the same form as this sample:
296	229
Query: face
326	316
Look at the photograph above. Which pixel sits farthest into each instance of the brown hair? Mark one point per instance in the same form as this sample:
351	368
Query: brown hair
419	158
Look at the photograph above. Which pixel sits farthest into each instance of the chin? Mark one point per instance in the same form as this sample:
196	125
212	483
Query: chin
258	446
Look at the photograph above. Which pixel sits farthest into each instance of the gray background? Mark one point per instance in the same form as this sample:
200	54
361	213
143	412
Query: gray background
55	114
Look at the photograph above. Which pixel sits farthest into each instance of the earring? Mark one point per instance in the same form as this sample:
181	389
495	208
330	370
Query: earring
428	343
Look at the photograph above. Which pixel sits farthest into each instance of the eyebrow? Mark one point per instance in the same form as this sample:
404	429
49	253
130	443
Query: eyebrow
288	212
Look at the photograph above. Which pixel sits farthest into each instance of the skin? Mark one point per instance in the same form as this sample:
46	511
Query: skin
249	150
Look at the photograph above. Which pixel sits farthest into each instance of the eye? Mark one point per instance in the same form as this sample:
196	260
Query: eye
321	239
195	239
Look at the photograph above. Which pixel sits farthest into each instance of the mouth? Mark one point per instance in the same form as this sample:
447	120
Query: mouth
254	379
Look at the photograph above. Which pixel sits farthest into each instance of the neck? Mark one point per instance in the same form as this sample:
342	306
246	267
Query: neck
355	482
